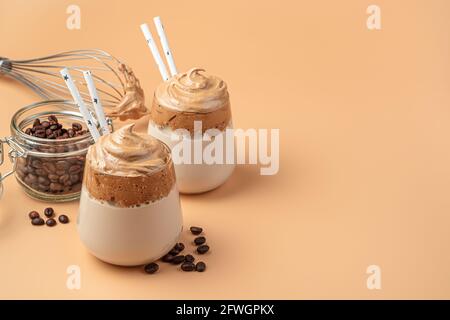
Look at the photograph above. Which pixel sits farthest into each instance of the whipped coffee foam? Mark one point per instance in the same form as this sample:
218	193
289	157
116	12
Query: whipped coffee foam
132	104
127	153
193	91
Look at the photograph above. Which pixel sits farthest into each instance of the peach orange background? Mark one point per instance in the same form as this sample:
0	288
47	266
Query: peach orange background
364	118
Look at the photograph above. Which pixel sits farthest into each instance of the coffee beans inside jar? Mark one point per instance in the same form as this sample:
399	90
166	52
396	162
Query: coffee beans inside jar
53	175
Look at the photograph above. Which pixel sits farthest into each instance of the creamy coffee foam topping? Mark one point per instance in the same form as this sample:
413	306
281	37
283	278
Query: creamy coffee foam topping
127	153
132	104
193	91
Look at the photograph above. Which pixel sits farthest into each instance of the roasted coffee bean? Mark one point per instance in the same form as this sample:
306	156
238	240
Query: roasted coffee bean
81	132
200	266
48	132
74	178
178	259
33	214
43	181
60	149
20	172
45	124
53	177
75	169
27	180
167	258
37	222
28	131
43	187
40	134
179	246
64	178
188	266
204	248
50	167
71	133
36	122
55	187
177	249
48	212
62	165
53	127
36	164
40	172
71	147
60	172
151	268
63	218
76	126
50	222
189	258
32	178
53	118
199	240
196	230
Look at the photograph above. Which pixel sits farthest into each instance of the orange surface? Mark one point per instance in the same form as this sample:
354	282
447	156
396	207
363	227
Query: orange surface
365	149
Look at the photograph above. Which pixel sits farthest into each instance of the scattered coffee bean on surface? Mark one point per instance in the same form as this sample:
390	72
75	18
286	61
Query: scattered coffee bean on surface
63	218
178	259
49	212
174	252
37	222
167	258
204	248
33	215
189	258
199	240
50	222
179	246
200	266
188	266
196	230
151	268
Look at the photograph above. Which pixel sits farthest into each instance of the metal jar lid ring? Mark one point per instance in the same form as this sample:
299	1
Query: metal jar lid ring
16	151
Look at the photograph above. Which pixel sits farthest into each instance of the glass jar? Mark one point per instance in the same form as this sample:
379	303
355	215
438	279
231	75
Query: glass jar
47	169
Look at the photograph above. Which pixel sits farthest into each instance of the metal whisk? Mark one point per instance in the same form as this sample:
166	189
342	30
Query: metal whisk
43	77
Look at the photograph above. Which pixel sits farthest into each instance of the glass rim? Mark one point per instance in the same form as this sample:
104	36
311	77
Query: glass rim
67	103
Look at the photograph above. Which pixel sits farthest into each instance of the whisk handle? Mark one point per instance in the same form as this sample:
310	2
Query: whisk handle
5	65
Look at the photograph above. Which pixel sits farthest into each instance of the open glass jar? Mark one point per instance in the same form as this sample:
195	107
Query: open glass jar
47	169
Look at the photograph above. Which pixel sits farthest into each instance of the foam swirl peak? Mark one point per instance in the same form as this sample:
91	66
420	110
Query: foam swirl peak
193	91
127	153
